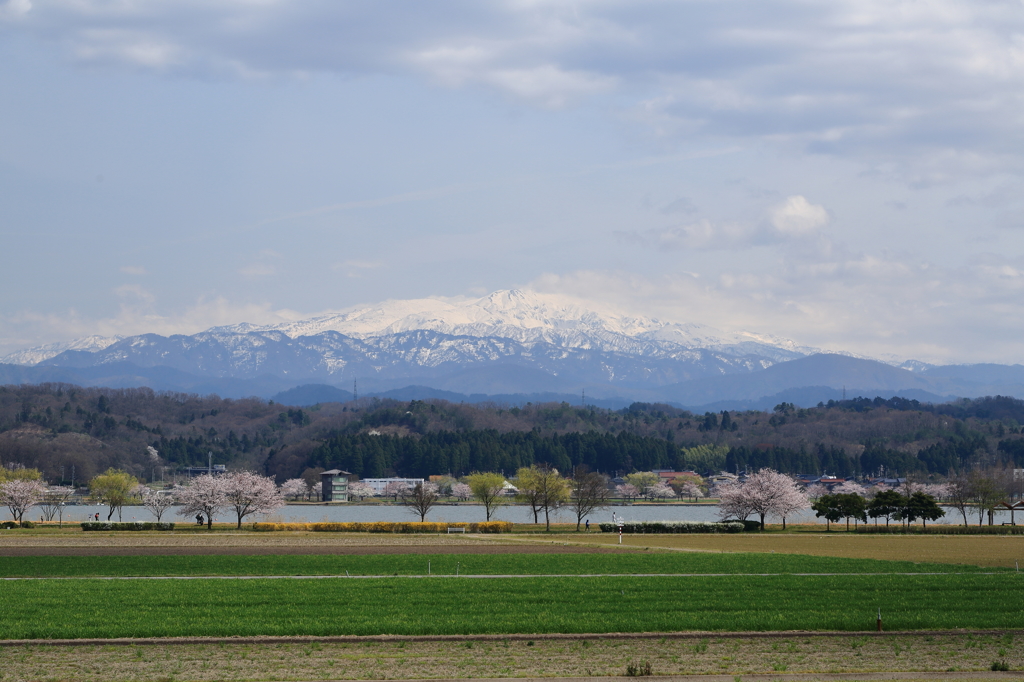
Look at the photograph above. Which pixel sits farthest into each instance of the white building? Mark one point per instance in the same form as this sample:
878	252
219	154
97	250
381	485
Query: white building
378	484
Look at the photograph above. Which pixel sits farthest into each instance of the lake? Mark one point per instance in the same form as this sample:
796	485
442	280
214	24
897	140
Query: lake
306	513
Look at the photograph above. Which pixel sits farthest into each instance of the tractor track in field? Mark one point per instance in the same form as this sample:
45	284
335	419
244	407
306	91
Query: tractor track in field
611	636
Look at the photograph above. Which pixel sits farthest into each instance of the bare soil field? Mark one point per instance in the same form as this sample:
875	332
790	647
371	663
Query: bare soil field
518	656
977	550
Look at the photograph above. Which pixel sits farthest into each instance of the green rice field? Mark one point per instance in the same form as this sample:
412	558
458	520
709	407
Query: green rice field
448	564
439	606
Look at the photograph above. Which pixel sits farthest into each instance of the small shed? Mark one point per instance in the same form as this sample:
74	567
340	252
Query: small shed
335	485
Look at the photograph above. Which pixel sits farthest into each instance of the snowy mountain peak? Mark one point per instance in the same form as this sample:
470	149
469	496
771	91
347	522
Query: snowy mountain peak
34	356
528	318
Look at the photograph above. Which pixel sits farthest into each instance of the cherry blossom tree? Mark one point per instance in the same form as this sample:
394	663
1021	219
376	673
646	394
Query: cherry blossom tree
733	502
814	491
792	499
461	491
361	490
764	493
627	491
940	491
20	496
203	495
850	488
395	489
294	487
318	490
248	493
691	490
660	491
155	502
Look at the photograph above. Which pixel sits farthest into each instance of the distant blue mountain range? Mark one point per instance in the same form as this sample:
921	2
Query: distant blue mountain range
508	347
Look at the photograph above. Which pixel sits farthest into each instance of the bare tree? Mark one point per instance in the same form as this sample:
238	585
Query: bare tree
155	502
53	502
421	499
589	492
988	489
960	493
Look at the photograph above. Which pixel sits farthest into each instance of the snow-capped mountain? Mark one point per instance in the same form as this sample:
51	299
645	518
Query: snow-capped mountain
509	339
33	356
530	318
510	342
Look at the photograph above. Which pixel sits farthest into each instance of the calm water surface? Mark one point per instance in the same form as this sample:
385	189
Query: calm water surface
300	513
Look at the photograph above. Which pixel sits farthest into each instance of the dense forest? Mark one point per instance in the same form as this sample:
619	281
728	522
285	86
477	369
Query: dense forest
67	431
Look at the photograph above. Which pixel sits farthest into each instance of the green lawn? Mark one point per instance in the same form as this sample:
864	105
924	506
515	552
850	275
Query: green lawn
336	606
492	564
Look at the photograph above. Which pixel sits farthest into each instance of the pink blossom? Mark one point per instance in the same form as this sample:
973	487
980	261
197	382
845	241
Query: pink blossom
360	490
850	487
690	489
765	493
461	491
248	493
203	495
20	496
627	491
660	491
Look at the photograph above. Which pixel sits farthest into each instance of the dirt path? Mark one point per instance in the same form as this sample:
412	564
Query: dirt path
485	547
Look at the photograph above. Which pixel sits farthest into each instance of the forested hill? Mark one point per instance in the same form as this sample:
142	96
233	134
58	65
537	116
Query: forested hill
59	428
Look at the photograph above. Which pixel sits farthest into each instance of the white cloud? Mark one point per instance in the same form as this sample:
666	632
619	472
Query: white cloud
138	314
698	235
798	217
863	303
794	220
15	9
851	75
133	270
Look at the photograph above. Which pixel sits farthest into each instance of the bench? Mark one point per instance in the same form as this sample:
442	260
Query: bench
456	530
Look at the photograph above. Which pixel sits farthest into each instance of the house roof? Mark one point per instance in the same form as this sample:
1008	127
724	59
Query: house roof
335	472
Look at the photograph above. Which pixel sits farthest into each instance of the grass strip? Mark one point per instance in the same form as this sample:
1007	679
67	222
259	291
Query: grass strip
103	609
447	564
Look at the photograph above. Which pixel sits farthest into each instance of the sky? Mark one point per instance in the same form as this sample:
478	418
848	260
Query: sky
846	174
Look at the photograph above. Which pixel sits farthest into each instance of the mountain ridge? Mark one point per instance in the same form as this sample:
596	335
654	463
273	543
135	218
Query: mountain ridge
511	342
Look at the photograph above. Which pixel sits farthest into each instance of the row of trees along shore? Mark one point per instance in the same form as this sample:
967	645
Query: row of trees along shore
766	493
247	494
542	489
42	427
242	493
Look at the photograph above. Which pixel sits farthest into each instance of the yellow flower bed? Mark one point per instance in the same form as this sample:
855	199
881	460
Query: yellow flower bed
388	527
